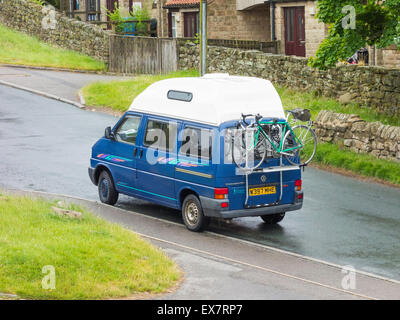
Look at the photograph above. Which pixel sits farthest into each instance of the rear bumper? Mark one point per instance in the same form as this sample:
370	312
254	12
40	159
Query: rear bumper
212	208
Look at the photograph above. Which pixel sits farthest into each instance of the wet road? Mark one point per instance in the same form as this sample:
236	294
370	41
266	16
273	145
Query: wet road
45	145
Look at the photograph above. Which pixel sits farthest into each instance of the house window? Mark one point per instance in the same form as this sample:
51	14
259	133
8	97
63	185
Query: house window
75	4
91	9
133	4
173	25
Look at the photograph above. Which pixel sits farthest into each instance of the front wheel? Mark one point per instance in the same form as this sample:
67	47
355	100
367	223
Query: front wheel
300	148
273	218
192	214
107	192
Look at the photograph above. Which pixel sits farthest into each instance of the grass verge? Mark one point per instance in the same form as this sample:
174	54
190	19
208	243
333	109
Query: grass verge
118	95
93	259
331	155
19	48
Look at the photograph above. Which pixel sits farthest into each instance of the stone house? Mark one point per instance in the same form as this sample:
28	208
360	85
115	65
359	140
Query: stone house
291	23
94	10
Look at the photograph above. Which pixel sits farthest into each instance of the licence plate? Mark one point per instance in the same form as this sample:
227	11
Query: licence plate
262	191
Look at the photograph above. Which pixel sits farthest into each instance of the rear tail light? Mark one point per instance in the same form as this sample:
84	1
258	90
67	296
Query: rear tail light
300	196
297	185
221	193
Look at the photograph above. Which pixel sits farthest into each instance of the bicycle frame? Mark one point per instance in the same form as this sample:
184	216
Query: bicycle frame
286	127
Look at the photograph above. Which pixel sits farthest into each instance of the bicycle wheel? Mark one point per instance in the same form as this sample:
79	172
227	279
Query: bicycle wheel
256	153
300	156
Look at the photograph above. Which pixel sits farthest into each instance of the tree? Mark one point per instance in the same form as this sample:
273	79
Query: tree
354	24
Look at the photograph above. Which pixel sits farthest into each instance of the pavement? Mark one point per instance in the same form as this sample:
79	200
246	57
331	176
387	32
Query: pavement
63	84
46	144
218	267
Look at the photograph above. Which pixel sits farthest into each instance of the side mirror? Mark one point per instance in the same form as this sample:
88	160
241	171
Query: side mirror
109	134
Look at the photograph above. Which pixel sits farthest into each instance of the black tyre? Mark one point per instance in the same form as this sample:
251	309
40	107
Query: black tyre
308	139
273	218
107	192
192	214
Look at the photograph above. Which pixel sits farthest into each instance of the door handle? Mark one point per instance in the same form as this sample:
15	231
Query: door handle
141	153
135	152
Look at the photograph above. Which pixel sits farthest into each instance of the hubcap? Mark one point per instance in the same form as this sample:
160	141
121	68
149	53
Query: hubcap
192	213
104	188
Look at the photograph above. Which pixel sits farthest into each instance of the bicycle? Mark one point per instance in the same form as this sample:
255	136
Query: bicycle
275	138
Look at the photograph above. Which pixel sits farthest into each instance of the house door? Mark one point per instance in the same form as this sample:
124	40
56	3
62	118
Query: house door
111	5
191	24
295	35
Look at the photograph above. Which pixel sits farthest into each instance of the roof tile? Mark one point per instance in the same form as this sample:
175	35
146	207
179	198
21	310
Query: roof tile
182	3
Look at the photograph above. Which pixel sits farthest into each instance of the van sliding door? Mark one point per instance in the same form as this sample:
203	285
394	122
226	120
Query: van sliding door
155	163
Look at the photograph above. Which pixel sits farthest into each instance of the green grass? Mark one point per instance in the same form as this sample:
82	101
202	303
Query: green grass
119	95
93	259
363	164
19	48
292	99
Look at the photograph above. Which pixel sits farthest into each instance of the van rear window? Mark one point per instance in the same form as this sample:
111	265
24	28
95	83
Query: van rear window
180	95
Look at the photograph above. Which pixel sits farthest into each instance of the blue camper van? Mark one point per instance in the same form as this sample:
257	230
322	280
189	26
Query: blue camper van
173	147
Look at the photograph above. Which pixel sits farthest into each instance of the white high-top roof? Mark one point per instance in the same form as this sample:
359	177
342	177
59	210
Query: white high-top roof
217	98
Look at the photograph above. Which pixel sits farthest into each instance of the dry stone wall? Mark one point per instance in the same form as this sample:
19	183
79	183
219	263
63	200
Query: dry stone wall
55	28
381	141
375	87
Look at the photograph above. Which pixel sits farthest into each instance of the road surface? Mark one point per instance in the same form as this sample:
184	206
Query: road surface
45	146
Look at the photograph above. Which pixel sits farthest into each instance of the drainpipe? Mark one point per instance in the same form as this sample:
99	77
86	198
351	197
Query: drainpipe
273	35
203	37
98	10
71	9
272	7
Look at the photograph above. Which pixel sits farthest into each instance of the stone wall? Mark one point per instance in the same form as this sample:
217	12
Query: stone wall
53	27
389	57
225	22
375	87
381	141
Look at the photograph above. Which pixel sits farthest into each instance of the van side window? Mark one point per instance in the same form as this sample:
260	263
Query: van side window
161	135
196	142
127	131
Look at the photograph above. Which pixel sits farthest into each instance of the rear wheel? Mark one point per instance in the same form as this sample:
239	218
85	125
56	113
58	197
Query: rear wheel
273	218
192	214
300	155
107	192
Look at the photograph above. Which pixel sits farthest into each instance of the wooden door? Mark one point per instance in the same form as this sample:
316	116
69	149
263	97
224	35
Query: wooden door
111	7
295	39
190	24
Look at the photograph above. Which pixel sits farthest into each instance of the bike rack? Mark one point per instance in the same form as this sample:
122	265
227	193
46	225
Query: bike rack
281	168
247	171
